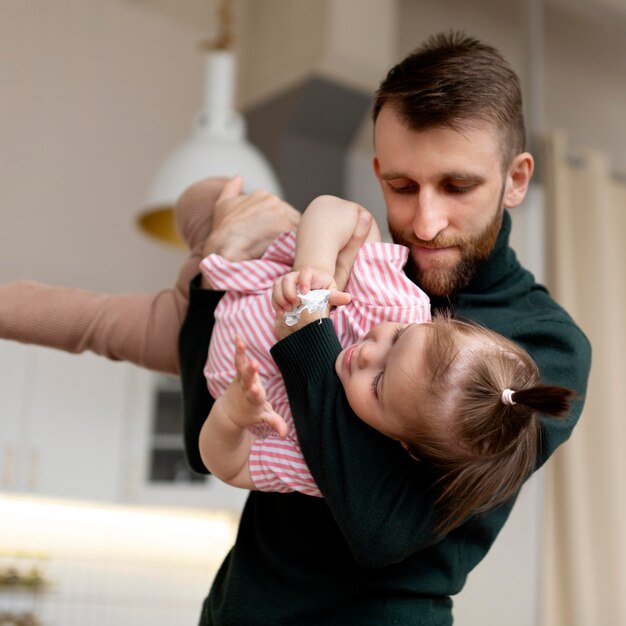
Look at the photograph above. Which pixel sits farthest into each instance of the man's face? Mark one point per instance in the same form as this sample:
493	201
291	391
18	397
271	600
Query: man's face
444	190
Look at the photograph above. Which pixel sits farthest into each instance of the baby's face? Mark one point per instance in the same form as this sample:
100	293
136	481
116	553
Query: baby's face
382	366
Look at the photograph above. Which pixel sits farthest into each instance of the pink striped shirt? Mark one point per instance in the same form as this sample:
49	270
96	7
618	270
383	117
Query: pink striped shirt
380	292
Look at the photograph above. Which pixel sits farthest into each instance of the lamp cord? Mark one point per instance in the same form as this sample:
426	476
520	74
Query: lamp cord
225	37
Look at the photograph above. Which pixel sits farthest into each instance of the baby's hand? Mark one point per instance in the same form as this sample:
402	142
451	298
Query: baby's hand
285	297
288	287
244	398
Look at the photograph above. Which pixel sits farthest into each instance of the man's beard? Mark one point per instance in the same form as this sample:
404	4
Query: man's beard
446	281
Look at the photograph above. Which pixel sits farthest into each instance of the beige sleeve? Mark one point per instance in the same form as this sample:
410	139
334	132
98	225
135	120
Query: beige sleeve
141	327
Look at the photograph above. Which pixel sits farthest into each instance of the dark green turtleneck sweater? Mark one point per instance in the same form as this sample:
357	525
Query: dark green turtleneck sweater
365	554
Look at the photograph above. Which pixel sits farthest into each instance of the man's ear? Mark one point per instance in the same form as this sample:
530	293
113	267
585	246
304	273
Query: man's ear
376	167
517	179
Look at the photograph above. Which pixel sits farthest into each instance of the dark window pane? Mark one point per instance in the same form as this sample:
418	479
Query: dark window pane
168	417
170	466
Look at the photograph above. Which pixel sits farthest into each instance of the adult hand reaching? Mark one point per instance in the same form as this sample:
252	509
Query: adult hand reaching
245	224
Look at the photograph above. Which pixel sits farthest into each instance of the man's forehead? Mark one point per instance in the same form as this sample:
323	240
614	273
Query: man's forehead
391	132
443	159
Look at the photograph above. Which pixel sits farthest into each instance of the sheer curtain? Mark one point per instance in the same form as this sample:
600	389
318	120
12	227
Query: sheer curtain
584	550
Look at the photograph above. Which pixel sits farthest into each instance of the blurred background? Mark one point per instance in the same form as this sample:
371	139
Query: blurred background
98	513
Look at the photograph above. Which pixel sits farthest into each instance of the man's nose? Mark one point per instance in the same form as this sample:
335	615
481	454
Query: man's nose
430	217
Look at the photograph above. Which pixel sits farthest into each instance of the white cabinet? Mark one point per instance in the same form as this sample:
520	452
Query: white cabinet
13	365
61	419
85	427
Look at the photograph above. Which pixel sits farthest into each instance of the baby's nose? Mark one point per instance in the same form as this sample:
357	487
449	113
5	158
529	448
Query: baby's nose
368	354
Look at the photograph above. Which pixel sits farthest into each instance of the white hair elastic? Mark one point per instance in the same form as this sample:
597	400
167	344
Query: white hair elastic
507	397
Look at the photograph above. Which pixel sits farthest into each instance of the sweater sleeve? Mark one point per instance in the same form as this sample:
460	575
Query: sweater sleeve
378	495
141	328
193	343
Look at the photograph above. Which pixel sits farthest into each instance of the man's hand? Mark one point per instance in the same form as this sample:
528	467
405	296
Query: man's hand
365	228
245	224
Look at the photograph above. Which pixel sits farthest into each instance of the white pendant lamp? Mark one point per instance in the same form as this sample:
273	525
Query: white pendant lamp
217	145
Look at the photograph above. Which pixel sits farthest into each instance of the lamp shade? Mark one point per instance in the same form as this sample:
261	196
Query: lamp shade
217	147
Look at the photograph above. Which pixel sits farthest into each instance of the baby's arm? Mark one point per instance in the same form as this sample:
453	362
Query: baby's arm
329	236
326	228
226	437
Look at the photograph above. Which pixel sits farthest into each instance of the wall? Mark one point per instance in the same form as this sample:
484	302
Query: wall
585	74
583	62
94	94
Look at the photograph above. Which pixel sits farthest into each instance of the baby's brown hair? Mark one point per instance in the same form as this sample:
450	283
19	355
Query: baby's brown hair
479	428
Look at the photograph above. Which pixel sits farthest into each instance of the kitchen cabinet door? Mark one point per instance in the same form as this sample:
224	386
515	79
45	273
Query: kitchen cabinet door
62	421
14	359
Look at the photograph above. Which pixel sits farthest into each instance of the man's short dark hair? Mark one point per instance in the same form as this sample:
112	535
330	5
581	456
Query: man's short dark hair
452	80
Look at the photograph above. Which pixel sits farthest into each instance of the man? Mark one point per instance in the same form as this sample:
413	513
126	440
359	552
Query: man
449	144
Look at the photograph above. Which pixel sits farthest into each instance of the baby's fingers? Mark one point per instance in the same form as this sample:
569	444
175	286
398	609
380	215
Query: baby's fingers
274	420
285	292
255	392
305	279
247	370
241	359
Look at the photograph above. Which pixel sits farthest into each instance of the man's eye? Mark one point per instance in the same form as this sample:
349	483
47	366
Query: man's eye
376	384
458	188
403	187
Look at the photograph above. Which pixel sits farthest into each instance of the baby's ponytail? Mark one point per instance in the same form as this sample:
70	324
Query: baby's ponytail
547	399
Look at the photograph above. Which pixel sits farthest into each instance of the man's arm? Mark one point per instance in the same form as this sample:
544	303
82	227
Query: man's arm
369	482
193	346
380	498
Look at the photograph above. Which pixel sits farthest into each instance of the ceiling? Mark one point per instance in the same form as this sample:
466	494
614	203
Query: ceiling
199	12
